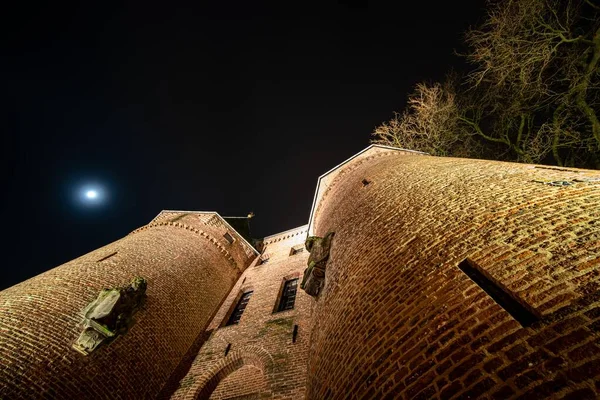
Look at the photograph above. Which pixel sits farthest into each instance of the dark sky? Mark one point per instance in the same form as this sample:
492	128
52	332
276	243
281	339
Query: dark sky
218	106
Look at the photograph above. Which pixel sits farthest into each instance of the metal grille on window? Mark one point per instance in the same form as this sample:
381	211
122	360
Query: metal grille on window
239	309
288	296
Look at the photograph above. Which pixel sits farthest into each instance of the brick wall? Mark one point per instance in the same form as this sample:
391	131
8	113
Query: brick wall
262	360
399	319
190	268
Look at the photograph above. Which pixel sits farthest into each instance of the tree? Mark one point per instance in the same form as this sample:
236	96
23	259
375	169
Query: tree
430	123
541	57
533	92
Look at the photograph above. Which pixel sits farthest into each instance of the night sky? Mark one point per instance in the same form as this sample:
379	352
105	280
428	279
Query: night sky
216	106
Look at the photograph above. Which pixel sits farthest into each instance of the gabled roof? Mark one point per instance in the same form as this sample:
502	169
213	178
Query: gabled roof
325	180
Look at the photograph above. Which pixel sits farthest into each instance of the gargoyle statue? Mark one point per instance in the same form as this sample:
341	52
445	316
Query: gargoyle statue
314	275
110	314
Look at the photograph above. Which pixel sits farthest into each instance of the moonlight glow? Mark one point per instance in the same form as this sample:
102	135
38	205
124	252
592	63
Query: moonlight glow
91	194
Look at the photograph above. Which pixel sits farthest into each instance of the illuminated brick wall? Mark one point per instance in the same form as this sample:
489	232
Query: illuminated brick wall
190	268
262	360
427	257
399	319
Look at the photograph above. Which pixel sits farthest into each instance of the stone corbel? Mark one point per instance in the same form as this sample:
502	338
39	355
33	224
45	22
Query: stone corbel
110	315
314	275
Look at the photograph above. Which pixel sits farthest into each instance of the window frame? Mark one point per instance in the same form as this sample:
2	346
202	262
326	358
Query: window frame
283	298
296	250
229	237
229	321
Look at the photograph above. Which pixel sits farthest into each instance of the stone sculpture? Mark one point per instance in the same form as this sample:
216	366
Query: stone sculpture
109	315
314	275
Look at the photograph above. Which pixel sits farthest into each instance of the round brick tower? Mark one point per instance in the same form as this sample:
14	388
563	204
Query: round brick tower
190	262
456	278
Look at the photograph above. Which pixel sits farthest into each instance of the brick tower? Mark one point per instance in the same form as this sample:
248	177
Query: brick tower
455	278
190	262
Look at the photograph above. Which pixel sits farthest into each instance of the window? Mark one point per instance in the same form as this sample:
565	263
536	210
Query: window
517	310
288	295
239	309
228	237
263	259
107	257
296	250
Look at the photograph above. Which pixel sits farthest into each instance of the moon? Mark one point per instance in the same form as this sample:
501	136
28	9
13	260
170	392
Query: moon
92	194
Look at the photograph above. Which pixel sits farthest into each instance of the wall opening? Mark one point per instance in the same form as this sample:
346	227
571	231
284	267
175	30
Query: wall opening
228	237
235	316
295	334
287	297
107	257
518	311
296	250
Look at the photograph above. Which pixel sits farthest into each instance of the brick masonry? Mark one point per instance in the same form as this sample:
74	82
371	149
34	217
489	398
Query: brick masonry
399	319
190	269
263	361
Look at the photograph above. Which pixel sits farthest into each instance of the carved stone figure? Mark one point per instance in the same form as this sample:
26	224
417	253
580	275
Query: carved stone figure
314	275
109	315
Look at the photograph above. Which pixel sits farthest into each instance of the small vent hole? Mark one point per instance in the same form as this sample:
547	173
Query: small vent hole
366	182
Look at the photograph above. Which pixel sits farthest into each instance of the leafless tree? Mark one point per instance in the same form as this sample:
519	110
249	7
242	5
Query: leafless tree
429	123
534	92
538	60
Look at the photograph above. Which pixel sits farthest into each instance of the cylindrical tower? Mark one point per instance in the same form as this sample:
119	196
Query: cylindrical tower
456	278
190	262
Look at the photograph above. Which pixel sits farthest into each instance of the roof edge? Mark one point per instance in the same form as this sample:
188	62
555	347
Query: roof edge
286	231
218	215
314	204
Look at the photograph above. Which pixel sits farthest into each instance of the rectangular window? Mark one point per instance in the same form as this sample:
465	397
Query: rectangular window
296	250
239	309
288	295
228	237
263	260
517	310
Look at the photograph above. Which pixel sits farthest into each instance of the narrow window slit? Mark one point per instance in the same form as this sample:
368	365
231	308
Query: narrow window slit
518	311
235	316
227	348
295	334
107	257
